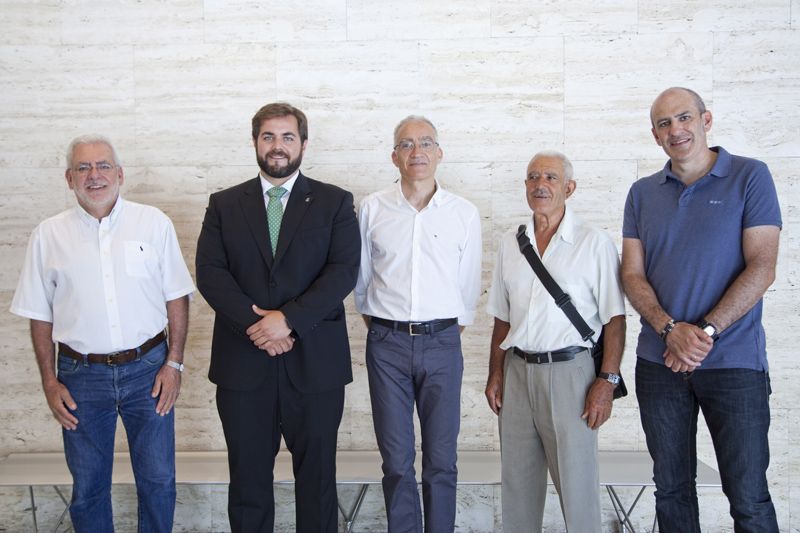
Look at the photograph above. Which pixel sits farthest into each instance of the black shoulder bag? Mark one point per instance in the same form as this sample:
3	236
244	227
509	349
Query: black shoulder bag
564	303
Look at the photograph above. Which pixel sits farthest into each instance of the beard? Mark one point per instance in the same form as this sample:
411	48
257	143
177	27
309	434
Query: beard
275	171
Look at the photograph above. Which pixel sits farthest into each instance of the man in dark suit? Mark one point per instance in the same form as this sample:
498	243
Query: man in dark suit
276	256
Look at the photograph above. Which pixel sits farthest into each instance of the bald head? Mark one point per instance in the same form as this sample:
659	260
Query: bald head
698	101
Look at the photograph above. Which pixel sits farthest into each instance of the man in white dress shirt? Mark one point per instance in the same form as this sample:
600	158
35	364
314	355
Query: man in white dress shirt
417	288
102	280
541	374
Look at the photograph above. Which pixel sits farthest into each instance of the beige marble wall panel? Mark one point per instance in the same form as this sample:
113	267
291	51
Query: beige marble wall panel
25	24
95	93
611	81
194	103
794	8
131	22
496	98
756	102
355	97
417	19
714	15
552	17
239	21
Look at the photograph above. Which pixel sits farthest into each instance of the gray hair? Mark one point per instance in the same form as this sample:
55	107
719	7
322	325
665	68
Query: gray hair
415	118
569	172
92	138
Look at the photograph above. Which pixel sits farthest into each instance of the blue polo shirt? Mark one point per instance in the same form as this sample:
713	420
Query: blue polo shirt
692	240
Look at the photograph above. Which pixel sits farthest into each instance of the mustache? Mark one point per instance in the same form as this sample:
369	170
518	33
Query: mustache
277	153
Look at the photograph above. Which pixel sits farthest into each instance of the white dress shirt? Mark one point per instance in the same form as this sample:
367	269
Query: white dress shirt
265	186
585	264
419	265
102	284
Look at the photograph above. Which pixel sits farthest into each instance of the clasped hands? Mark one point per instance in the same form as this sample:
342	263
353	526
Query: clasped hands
271	333
687	346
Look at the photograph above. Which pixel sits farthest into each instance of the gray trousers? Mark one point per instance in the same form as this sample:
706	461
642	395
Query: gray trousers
425	369
541	430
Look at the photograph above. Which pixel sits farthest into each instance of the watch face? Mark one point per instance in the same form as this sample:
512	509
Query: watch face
709	330
613	378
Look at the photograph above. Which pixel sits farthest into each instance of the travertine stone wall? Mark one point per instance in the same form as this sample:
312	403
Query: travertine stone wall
175	84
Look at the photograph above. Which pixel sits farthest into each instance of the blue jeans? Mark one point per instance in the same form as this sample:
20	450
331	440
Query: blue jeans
425	369
101	393
735	405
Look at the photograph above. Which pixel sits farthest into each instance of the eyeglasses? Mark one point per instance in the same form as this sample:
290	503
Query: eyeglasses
407	145
103	167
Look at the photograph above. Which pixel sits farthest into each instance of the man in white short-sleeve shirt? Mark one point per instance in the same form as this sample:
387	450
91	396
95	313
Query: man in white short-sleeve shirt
542	381
101	281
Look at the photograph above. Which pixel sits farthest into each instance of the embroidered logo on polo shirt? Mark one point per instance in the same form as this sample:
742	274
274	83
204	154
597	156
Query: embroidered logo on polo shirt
715	202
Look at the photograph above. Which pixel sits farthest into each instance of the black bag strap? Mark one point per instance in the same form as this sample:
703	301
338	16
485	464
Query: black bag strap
562	299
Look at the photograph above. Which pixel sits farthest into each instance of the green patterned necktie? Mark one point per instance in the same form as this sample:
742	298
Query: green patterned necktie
274	215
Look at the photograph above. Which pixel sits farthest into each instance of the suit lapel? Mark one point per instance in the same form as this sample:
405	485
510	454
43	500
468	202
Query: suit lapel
299	201
255	213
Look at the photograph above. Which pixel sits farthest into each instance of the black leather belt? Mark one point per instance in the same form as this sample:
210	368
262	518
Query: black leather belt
557	356
113	358
416	328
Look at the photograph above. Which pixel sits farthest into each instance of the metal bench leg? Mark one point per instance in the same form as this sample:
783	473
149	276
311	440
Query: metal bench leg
33	509
63	513
350	517
623	516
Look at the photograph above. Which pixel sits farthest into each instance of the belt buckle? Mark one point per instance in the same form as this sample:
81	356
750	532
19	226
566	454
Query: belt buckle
110	358
542	358
411	329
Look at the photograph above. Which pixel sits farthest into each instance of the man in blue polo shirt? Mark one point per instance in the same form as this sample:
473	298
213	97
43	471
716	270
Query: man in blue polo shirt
699	251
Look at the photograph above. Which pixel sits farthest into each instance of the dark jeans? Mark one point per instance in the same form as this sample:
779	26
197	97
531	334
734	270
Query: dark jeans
425	369
103	393
735	405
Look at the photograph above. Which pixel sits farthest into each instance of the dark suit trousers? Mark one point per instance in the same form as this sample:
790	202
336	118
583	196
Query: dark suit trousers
253	422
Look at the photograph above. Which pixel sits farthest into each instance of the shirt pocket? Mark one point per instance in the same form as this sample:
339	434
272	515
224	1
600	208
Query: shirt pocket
141	260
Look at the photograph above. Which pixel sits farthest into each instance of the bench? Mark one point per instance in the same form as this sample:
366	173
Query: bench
360	468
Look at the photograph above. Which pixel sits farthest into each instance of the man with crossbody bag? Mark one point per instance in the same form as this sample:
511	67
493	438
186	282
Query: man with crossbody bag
542	380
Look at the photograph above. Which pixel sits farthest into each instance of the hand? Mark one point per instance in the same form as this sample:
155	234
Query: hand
61	403
599	400
675	364
494	391
271	326
166	388
278	346
687	346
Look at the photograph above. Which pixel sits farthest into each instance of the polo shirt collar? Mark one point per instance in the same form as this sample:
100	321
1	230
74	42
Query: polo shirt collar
721	168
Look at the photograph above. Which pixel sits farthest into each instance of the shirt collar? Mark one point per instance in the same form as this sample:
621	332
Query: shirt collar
112	216
436	199
566	228
721	168
265	185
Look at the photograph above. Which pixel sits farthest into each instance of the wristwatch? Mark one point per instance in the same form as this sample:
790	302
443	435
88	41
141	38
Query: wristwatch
667	328
612	378
174	364
709	329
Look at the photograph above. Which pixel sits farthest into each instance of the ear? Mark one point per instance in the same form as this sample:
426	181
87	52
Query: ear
395	160
303	147
655	136
439	153
68	177
571	186
121	175
708	120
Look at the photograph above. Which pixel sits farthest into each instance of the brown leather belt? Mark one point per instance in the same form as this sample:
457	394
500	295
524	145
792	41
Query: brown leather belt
113	358
416	328
566	354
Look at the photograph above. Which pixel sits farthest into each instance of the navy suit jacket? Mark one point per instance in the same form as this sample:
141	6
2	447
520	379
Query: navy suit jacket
314	268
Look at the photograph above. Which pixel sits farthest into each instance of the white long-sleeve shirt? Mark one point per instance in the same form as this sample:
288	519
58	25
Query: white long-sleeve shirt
419	265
